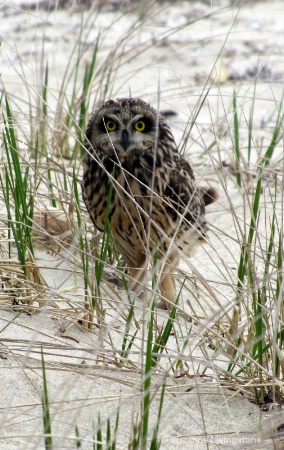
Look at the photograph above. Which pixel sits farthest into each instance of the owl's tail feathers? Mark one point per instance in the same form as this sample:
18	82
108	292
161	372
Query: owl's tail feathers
210	195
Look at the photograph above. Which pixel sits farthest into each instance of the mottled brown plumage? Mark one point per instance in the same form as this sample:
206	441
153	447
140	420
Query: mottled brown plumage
155	205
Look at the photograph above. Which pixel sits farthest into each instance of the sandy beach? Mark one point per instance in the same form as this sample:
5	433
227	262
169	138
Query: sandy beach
186	59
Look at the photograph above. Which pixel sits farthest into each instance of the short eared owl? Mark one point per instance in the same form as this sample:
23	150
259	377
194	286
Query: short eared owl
155	208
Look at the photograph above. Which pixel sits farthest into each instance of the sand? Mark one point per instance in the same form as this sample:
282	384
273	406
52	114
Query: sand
84	375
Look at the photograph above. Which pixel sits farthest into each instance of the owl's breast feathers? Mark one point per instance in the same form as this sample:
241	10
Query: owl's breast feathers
160	175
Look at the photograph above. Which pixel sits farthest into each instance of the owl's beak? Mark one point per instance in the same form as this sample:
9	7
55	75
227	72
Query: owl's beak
125	139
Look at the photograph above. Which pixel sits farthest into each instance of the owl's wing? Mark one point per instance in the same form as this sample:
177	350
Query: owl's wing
185	198
181	194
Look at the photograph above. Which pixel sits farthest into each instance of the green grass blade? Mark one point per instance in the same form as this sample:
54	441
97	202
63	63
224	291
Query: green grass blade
245	254
147	380
78	440
46	410
278	364
276	136
155	442
99	435
164	335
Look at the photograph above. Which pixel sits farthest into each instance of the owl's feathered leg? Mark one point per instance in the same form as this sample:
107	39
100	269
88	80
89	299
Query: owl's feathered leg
137	281
137	275
167	284
168	292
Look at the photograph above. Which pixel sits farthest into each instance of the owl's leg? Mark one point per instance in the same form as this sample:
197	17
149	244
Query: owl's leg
168	292
137	279
137	275
167	284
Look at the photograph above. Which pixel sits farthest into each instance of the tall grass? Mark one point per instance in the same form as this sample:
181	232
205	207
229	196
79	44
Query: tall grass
18	191
264	296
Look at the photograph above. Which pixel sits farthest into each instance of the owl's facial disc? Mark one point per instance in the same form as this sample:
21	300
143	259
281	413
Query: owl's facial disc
128	134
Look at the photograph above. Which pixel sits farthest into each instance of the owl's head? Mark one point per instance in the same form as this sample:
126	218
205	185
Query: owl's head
125	124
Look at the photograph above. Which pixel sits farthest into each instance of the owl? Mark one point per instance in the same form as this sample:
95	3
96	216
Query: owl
135	179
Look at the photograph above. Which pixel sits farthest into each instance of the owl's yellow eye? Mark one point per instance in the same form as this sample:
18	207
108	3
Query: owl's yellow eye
111	126
140	126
